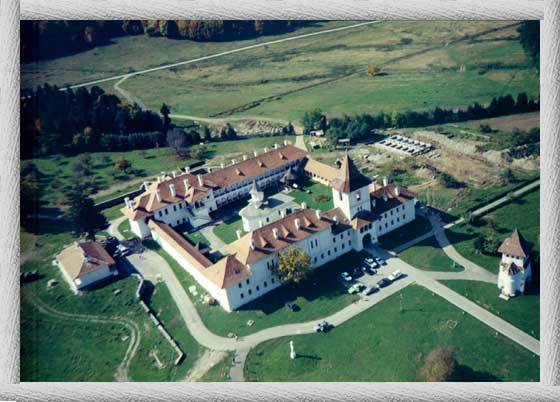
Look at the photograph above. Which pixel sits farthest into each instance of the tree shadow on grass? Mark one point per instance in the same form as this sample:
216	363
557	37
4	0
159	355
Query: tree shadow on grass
310	357
459	237
467	374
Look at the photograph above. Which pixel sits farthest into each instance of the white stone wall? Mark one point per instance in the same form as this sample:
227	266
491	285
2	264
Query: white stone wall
173	215
93	277
396	217
139	228
219	294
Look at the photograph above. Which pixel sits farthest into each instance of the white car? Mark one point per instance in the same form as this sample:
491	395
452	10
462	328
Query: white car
369	290
395	275
356	288
346	276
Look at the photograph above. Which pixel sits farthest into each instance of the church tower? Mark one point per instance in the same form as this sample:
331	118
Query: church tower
350	189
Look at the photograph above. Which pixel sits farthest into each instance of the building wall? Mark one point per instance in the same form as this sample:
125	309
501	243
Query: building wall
93	277
139	228
396	217
353	202
219	294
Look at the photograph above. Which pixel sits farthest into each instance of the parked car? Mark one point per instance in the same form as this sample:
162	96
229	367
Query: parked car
323	326
368	270
121	251
383	283
346	276
370	262
292	306
395	275
380	261
356	288
357	272
369	290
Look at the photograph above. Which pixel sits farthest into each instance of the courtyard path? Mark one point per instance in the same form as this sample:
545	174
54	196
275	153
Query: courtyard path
300	142
215	242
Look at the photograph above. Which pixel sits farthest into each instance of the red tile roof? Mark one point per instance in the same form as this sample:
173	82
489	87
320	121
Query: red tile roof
386	197
349	178
516	245
85	257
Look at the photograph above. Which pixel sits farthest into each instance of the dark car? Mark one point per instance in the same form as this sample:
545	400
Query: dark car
368	270
323	326
357	272
383	283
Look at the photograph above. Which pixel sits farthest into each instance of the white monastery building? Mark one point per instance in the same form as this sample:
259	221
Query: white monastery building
84	264
515	266
362	211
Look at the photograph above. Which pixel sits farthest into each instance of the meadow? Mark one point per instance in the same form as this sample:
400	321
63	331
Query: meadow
388	343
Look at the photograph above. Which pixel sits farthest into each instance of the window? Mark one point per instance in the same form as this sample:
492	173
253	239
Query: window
178	222
340	195
328	252
335	249
341	235
175	208
272	280
398	219
159	213
247	281
258	288
316	242
392	222
349	243
239	284
343	246
386	225
250	291
242	295
311	243
322	255
265	284
314	259
166	211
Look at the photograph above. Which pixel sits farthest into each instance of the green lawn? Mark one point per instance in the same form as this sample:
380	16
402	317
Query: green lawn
166	310
196	237
320	295
315	195
220	372
428	256
124	230
97	350
387	344
410	231
522	311
227	231
521	213
113	213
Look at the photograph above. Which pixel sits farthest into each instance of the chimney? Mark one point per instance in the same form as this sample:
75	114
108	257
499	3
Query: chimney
397	191
187	169
174	174
303	205
318	213
244	157
265	149
283	213
200	180
252	244
127	202
285	143
233	161
297	222
255	153
158	195
385	182
159	179
275	233
186	183
238	233
172	190
260	223
145	184
222	165
275	145
335	219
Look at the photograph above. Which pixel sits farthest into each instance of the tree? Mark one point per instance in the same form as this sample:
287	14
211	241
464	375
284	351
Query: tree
529	36
207	134
176	139
199	152
166	120
313	120
123	164
448	181
83	210
293	265
439	365
228	132
507	176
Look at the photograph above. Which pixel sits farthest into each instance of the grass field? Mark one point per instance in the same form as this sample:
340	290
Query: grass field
320	295
405	233
521	213
99	348
128	54
124	230
315	195
522	311
387	344
227	231
280	81
427	255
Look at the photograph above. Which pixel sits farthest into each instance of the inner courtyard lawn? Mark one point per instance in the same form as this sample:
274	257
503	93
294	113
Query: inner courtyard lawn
386	343
521	213
227	230
315	195
405	233
320	295
522	311
428	256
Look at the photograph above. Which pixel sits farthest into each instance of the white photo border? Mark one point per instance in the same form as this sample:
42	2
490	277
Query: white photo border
547	11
